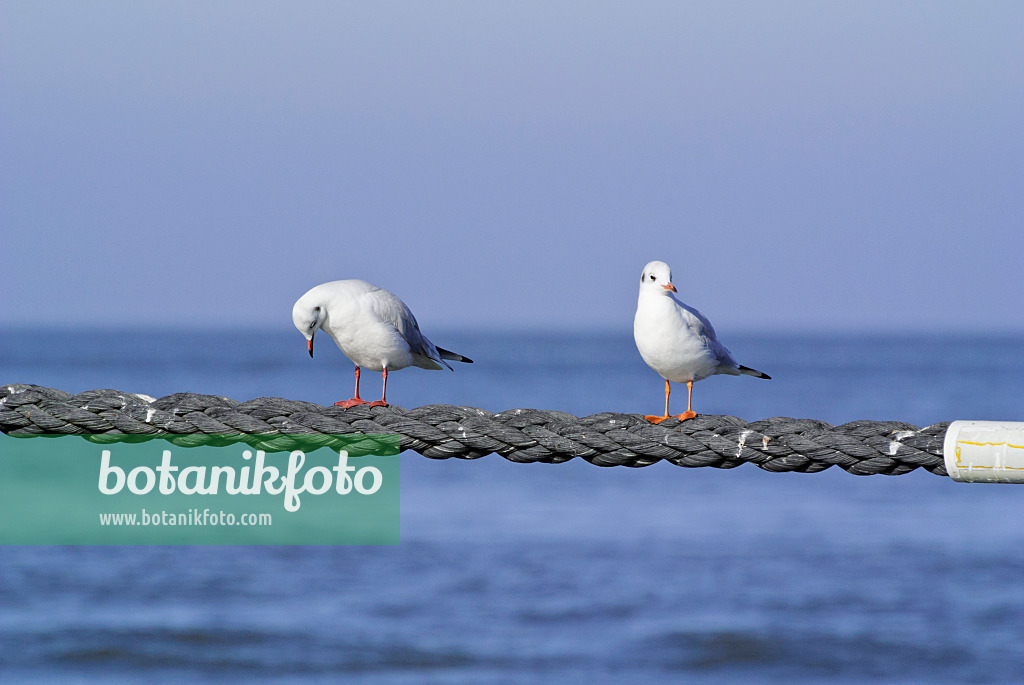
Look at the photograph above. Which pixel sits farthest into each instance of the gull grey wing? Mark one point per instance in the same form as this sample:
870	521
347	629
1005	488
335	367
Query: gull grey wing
391	309
703	328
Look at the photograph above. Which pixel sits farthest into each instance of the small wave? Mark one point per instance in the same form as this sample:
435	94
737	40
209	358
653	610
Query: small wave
225	650
836	657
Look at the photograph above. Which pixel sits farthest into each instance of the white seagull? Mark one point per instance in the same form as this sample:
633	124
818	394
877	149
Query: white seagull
676	340
372	327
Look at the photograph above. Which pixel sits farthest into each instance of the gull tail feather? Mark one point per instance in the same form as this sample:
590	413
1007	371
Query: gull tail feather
753	372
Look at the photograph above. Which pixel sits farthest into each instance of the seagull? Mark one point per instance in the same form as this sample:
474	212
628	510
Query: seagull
372	327
676	340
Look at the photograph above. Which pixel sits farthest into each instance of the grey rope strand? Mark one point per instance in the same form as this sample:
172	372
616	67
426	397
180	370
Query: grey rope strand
441	431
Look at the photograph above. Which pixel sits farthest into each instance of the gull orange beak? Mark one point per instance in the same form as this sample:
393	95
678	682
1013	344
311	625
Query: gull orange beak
666	287
310	347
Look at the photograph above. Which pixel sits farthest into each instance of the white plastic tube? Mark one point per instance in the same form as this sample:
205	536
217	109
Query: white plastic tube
985	451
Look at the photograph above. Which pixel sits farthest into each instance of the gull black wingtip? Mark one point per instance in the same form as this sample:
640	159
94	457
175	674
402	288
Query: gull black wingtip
754	372
453	356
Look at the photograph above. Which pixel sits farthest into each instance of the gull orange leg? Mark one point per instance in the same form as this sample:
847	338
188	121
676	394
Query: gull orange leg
659	419
383	401
689	413
355	401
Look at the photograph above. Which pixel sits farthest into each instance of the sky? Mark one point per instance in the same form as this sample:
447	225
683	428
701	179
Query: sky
815	166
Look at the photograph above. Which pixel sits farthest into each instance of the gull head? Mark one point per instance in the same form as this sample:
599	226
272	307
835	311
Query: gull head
657	279
308	317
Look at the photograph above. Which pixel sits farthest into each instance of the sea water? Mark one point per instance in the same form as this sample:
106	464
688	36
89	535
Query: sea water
517	573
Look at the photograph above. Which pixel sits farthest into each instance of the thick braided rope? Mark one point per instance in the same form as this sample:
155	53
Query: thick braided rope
442	431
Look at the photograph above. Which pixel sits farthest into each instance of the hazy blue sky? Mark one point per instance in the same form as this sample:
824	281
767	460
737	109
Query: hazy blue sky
799	164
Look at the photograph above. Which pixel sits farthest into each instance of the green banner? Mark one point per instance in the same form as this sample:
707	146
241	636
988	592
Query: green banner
199	490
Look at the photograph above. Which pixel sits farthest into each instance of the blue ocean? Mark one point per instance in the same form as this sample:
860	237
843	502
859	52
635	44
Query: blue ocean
568	573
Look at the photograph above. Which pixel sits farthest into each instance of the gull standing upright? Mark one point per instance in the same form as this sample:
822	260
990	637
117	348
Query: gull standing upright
676	340
372	327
